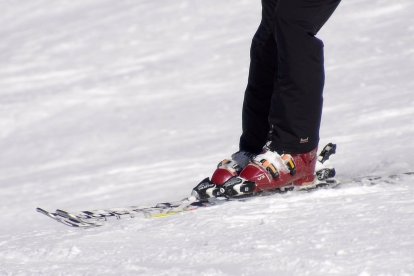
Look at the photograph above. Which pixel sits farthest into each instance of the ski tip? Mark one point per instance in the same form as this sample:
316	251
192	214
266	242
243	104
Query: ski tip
46	213
40	210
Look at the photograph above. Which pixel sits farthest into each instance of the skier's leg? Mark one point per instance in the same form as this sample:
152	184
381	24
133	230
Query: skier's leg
287	69
260	87
296	105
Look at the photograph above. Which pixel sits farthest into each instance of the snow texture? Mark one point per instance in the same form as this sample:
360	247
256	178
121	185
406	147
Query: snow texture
116	103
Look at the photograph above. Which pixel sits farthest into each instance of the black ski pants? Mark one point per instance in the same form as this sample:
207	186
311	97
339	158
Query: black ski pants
283	98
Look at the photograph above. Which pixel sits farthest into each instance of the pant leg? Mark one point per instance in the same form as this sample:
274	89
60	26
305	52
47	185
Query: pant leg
260	87
296	105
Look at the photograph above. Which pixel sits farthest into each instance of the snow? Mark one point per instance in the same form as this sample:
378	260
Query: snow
117	103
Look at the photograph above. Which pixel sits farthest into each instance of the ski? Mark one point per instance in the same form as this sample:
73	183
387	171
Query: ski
206	194
99	217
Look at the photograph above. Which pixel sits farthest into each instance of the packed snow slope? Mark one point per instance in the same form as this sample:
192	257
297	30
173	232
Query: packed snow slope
113	103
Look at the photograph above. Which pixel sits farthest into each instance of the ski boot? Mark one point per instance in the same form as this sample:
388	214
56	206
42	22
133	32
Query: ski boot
226	169
270	171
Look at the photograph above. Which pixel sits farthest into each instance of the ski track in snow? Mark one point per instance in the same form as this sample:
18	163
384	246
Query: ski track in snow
117	103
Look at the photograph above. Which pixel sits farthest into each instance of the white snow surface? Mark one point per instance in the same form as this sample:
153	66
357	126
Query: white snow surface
117	103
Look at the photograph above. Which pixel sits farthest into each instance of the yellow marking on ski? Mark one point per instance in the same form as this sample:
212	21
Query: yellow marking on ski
164	215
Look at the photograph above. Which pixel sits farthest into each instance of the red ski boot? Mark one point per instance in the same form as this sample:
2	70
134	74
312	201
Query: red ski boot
268	171
271	171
